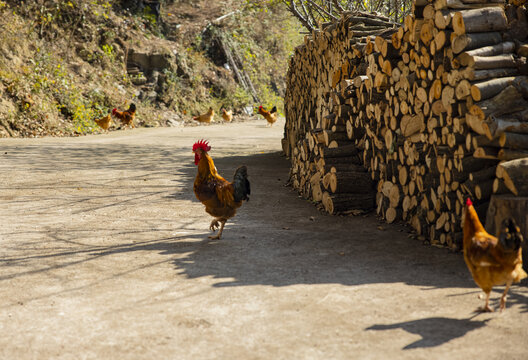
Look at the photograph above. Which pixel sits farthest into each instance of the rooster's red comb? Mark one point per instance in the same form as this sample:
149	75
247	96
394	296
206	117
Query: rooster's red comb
201	144
469	202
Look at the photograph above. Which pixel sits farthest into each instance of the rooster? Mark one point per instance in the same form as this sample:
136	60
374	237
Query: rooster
104	122
227	115
207	117
270	116
126	117
220	197
492	261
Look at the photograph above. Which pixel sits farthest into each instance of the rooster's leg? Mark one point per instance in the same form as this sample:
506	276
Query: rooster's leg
217	236
214	225
503	297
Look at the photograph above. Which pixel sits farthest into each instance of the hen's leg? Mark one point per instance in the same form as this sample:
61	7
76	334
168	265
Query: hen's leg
503	297
486	307
217	236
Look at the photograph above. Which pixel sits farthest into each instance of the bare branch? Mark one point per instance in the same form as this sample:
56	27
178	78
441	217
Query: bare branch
293	9
311	12
308	16
338	6
321	10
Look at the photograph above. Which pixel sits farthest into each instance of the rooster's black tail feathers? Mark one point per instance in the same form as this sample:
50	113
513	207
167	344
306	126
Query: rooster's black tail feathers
241	184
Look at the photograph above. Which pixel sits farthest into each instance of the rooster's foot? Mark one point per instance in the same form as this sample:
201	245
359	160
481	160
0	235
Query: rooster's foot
215	224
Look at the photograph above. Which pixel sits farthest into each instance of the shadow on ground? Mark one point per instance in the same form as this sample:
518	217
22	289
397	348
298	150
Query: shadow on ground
434	331
276	239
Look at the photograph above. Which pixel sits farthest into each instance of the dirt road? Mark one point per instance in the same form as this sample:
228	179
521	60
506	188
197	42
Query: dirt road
104	255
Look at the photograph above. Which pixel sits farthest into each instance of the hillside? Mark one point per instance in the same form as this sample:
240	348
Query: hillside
79	59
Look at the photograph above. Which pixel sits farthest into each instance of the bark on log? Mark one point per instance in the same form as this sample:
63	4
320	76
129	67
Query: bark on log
466	58
487	89
514	173
507	101
474	41
492	62
479	20
472	74
341	151
343	202
351	182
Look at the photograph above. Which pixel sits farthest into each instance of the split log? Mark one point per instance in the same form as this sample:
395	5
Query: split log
514	173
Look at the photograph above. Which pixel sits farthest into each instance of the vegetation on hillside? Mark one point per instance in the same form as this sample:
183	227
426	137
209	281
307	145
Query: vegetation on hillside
64	63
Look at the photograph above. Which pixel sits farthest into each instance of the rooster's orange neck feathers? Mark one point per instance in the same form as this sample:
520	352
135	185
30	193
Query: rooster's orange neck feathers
472	222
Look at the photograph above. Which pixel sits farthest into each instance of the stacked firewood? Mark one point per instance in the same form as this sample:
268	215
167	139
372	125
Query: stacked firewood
428	98
428	109
329	74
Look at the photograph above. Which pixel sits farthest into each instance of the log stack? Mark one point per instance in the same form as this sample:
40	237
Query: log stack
427	109
330	73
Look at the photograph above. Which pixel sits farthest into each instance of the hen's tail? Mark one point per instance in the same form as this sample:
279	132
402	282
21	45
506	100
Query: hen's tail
241	184
274	110
510	235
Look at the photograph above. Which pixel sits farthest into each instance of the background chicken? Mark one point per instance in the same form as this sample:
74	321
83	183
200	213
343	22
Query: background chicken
270	116
207	117
227	115
220	197
126	117
492	261
104	122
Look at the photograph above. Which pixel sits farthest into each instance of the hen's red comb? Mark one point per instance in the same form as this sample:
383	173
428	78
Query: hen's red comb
201	144
469	202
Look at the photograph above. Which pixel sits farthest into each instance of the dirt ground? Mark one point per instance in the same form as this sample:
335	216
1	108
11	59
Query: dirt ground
104	255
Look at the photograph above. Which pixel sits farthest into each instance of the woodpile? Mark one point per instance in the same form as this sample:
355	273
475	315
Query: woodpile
331	74
410	120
